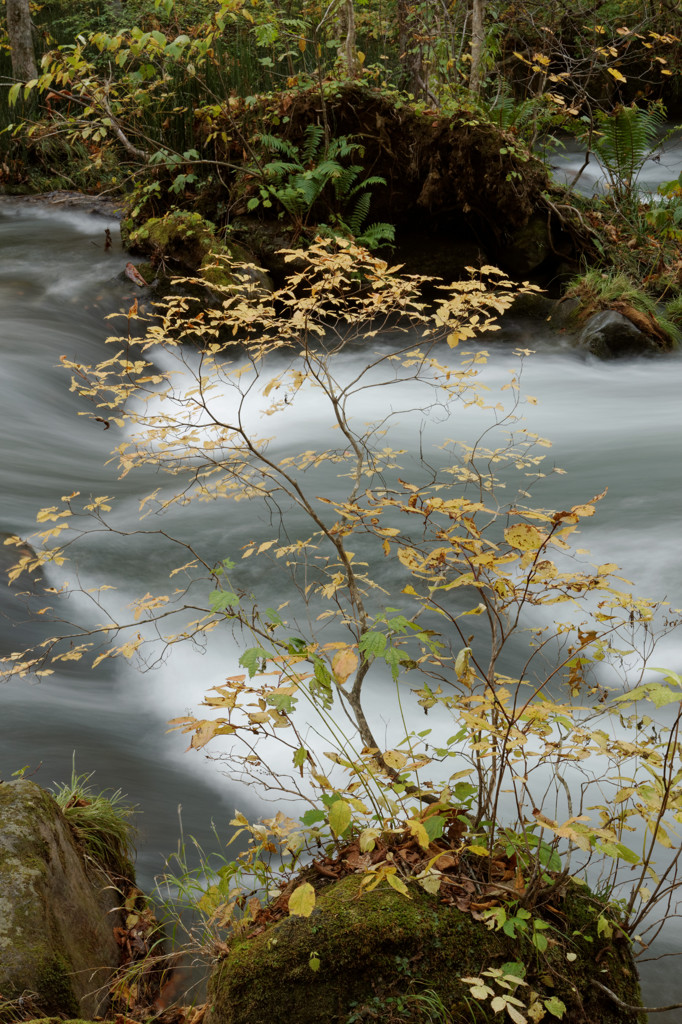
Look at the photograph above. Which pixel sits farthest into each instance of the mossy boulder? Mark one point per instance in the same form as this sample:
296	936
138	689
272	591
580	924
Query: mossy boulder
185	243
180	237
360	955
57	945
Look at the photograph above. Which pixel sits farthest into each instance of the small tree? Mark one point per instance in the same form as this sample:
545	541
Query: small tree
446	583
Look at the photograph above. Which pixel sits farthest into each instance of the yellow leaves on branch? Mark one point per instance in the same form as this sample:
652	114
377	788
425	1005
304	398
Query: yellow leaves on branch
149	603
203	730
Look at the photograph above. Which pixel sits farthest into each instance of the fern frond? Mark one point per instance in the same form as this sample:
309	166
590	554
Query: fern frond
314	134
628	138
376	234
291	199
277	145
343	182
359	213
281	168
344	146
374	179
309	187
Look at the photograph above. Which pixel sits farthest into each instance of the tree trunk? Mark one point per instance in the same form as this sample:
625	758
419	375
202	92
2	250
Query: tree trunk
410	49
348	48
477	46
19	28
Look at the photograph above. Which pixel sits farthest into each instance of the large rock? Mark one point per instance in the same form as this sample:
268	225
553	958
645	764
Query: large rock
359	954
610	334
57	946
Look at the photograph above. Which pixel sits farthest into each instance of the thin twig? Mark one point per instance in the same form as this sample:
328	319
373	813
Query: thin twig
629	1006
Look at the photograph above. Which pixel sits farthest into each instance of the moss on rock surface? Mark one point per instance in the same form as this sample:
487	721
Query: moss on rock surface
180	237
378	949
56	920
186	243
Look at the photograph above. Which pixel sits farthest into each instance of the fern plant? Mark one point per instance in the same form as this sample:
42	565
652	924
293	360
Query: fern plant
298	179
626	140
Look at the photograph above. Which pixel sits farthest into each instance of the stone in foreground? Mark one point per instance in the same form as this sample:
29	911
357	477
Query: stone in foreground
57	946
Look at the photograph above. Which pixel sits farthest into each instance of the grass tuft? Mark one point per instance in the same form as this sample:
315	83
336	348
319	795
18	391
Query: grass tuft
100	821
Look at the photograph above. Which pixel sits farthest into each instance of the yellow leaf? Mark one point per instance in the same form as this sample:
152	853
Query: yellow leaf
367	839
617	75
480	851
205	731
398	884
343	664
462	668
583	510
395	759
339	817
419	832
524	537
302	900
302	44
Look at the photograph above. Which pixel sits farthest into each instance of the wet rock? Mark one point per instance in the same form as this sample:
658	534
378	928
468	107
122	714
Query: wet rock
610	334
57	946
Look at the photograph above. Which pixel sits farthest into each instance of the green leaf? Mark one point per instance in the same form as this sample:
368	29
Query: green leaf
393	658
554	1006
13	94
252	659
657	693
300	757
312	816
514	969
302	900
221	600
434	826
339	817
618	851
314	962
372	644
273	617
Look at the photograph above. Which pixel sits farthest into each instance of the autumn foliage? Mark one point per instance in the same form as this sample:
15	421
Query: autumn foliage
549	746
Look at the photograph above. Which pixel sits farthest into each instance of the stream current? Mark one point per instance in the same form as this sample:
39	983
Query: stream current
615	425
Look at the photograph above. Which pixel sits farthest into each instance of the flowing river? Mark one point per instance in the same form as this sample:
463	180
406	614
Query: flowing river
612	424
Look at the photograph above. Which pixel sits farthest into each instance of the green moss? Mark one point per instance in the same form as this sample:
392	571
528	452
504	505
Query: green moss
179	237
380	946
55	989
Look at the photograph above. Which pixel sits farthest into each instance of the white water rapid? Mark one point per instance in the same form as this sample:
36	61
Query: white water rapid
612	424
